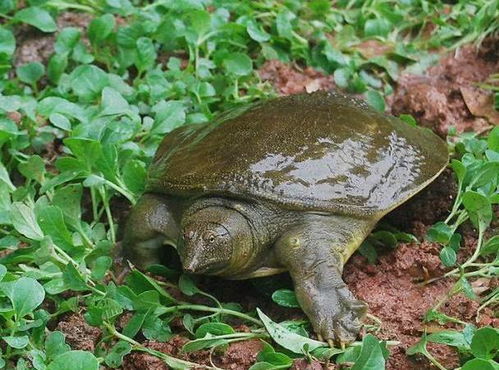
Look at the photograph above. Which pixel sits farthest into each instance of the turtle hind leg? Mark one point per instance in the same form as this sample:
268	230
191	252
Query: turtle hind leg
149	225
314	253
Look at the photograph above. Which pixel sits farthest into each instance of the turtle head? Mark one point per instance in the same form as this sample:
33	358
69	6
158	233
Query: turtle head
216	241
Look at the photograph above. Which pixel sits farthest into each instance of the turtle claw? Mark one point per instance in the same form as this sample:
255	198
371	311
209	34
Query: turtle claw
337	317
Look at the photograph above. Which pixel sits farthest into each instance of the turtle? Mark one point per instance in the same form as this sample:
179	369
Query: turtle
292	184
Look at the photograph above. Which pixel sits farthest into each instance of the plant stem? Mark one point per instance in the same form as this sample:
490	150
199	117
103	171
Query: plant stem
109	216
222	311
139	347
434	361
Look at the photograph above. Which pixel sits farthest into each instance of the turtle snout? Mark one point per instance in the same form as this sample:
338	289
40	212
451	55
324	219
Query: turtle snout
191	265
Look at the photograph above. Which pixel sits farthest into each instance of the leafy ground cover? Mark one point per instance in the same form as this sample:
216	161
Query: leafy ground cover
89	88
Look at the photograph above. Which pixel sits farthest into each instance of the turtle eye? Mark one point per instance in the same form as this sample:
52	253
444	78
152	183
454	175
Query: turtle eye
210	237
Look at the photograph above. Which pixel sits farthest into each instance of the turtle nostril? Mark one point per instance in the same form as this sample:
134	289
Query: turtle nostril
188	235
191	264
189	269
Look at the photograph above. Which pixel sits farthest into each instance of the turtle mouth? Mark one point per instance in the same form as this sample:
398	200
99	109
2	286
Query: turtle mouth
208	268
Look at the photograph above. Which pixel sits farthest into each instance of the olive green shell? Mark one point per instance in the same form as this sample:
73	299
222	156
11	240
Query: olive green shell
322	152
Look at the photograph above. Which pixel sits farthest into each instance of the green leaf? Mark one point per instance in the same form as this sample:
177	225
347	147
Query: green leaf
286	338
101	266
135	323
37	17
213	328
325	354
86	150
100	28
67	40
68	199
256	32
198	344
55	345
267	366
371	355
371	81
141	283
418	347
24	221
479	209
93	316
455	242
341	77
110	308
3	271
467	289
189	323
377	27
56	67
285	298
156	329
146	54
448	256
487	174
491	246
407	118
79	360
30	73
37	358
448	337
134	176
114	358
187	286
51	221
485	343
60	121
81	54
113	102
73	279
276	359
480	364
283	24
440	233
369	251
459	169
386	238
169	115
375	100
493	139
33	168
7	42
4	177
200	21
17	342
238	64
26	294
87	82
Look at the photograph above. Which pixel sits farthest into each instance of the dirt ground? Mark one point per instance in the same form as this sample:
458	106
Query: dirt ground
391	287
447	94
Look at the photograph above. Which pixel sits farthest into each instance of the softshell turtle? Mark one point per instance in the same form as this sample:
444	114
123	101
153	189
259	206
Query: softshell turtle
289	184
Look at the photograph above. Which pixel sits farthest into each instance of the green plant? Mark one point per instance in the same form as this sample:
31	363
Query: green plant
78	131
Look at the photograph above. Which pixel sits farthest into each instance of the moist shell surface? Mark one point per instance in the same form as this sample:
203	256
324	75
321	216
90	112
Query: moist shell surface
322	151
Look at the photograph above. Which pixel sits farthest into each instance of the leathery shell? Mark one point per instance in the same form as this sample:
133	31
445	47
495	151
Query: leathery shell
323	152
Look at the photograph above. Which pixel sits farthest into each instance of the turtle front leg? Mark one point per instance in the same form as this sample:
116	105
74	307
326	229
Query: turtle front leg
149	225
314	254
